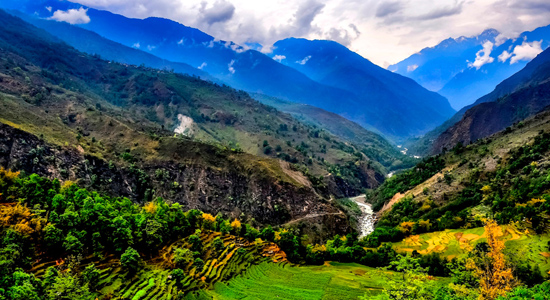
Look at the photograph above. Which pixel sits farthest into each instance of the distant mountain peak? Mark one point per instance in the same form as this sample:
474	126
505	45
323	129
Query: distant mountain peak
491	32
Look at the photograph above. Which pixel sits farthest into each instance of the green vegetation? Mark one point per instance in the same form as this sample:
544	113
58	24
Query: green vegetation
370	144
488	179
79	244
108	108
404	181
329	281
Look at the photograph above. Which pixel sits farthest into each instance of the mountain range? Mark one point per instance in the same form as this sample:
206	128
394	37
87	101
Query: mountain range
362	95
334	65
466	68
524	94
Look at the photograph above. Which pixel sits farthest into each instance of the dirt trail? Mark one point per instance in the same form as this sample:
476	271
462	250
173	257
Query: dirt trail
311	216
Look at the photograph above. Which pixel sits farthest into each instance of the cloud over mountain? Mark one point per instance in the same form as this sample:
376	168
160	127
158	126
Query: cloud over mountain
72	16
383	31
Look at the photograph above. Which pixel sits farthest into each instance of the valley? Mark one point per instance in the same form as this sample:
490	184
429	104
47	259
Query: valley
142	157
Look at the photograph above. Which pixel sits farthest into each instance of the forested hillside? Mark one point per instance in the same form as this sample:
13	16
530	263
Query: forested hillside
503	177
191	107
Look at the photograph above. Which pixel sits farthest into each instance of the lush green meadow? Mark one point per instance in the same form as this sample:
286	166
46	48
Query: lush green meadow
283	281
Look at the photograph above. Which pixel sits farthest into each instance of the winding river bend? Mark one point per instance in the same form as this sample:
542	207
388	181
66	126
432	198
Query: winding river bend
367	219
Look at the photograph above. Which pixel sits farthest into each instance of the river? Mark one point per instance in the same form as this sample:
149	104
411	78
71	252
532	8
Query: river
367	218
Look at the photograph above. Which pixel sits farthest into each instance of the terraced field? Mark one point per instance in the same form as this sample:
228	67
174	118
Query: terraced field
520	243
154	281
282	281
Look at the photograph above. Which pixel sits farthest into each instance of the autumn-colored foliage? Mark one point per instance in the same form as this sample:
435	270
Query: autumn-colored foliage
406	227
208	217
208	221
150	207
8	174
21	218
236	224
495	277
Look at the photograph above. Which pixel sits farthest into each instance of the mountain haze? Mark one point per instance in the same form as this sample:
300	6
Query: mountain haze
364	96
466	68
516	98
391	99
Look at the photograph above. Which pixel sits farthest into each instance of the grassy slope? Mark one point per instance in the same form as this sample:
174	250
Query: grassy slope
330	281
521	243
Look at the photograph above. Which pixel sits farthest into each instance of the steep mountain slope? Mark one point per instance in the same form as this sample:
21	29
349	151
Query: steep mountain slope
503	176
466	68
376	147
222	115
253	71
433	67
522	95
397	100
92	43
76	117
231	63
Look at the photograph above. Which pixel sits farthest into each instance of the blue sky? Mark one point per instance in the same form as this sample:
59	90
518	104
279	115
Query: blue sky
382	31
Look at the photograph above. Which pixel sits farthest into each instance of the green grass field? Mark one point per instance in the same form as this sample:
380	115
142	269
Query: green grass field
520	244
277	281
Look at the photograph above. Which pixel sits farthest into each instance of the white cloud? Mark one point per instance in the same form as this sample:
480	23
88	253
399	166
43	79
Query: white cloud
181	42
266	49
526	51
279	58
72	16
151	47
483	56
411	68
136	45
504	56
49	8
303	61
237	48
202	66
230	67
389	30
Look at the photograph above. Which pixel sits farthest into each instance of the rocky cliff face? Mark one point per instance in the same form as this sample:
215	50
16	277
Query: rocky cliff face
236	192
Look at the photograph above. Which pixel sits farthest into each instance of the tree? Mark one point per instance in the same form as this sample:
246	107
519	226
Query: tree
415	284
130	260
72	244
24	286
198	263
225	227
153	230
182	257
495	277
235	227
66	286
196	242
218	244
208	221
53	236
268	234
91	276
178	275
